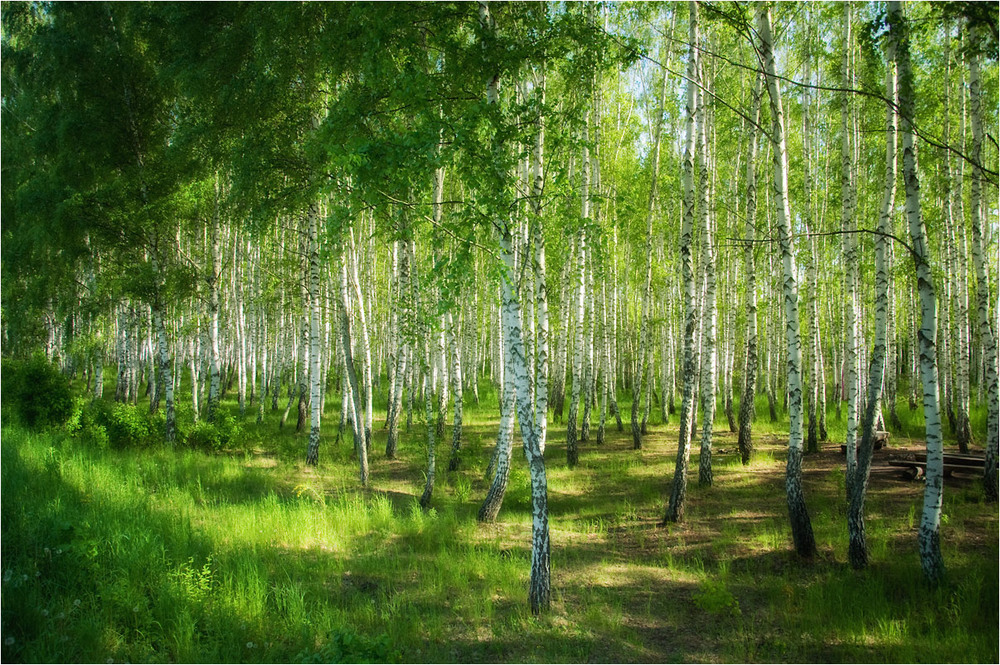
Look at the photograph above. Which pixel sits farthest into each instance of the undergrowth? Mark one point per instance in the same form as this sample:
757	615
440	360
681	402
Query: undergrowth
123	549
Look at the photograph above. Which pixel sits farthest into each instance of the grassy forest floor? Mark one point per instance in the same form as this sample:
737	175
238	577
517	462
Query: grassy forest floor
162	554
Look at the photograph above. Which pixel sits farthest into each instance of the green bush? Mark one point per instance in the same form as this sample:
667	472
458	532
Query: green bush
204	436
102	424
128	426
37	391
83	425
224	433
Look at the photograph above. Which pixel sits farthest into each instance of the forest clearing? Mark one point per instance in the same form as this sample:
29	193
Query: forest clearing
500	331
251	555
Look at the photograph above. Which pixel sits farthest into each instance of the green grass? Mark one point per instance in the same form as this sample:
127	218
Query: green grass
249	555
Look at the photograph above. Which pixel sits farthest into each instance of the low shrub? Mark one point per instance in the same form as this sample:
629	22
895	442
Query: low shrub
346	646
102	424
83	425
224	433
37	391
129	426
204	436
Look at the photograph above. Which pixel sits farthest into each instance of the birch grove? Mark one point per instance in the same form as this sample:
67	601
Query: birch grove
494	214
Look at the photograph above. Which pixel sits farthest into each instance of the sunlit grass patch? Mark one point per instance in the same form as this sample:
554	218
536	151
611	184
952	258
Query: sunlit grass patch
250	555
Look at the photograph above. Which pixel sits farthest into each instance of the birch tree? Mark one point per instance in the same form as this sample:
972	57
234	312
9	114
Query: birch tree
745	435
312	228
675	507
802	534
930	519
858	485
642	384
987	333
850	252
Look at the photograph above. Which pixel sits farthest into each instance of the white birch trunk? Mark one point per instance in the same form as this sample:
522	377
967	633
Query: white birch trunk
987	333
365	339
404	322
215	369
930	520
858	546
709	317
579	301
539	589
357	419
850	254
312	452
745	434
675	507
163	353
802	533
641	381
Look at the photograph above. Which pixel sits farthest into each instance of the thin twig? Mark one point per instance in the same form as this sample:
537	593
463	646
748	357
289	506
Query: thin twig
819	234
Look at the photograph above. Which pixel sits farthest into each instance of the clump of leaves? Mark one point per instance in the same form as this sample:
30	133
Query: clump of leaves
121	426
224	433
38	391
715	598
346	646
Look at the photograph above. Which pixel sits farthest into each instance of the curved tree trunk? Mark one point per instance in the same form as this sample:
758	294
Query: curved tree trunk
351	375
858	546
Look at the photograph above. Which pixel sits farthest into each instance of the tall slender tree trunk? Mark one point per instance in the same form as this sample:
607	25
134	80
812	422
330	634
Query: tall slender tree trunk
194	354
394	345
987	334
930	520
710	316
304	349
850	255
572	452
539	585
239	266
500	463
812	281
540	279
312	256
675	507
404	335
588	346
215	253
365	339
963	429
641	381
357	419
163	352
429	475
802	533
745	435
858	546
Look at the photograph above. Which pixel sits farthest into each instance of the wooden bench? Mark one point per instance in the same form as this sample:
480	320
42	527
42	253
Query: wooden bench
881	439
956	458
916	468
